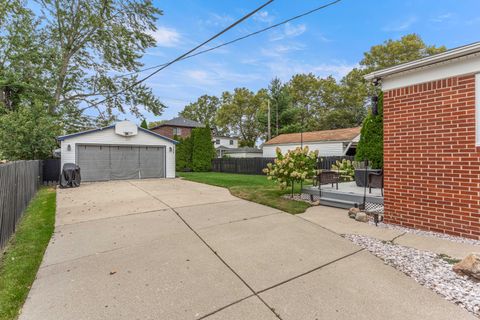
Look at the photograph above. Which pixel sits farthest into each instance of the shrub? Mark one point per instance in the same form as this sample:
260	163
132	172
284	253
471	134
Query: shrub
345	168
295	166
370	145
203	150
183	155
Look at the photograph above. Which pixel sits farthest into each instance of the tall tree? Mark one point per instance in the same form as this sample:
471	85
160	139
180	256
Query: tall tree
28	133
239	113
392	52
78	45
204	110
280	101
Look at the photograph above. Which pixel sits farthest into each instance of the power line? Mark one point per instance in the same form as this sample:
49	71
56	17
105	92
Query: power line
186	54
242	37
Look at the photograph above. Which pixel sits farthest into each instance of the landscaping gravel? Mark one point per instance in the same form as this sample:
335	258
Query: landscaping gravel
428	269
428	233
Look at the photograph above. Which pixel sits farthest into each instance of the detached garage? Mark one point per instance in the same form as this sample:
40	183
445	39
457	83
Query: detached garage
121	151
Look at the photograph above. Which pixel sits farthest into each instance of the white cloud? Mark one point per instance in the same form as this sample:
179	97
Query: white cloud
216	19
400	25
167	37
294	31
442	18
290	31
281	49
263	16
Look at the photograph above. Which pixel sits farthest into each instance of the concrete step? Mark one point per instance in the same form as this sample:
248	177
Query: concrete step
337	203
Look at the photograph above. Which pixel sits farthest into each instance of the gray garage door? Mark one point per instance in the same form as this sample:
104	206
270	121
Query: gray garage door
100	163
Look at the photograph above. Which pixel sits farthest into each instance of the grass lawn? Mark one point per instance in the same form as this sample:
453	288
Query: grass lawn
23	254
254	188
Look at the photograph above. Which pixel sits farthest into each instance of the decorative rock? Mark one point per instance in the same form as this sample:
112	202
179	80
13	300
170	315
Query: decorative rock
361	216
316	203
470	265
353	212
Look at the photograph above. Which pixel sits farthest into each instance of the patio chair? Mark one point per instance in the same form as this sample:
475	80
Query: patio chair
375	180
327	177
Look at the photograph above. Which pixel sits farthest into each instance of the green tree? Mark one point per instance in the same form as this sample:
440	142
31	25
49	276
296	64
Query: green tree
28	132
24	57
144	124
239	114
392	52
70	51
203	150
370	146
204	110
183	155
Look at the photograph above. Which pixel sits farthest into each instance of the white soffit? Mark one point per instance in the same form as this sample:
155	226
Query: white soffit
441	70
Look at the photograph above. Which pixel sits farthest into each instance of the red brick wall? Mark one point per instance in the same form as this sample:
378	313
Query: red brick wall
432	167
167	131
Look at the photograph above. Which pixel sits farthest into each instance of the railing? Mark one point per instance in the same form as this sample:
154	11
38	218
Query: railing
19	181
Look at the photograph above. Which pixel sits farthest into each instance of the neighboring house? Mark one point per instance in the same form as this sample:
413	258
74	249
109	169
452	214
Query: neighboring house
244	152
431	117
179	127
225	141
120	151
336	142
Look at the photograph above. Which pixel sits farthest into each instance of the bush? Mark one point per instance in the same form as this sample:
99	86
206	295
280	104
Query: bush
370	145
203	150
183	155
345	168
295	166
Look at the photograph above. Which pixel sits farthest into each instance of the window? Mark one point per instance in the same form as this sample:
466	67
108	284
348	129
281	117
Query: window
231	142
217	141
177	131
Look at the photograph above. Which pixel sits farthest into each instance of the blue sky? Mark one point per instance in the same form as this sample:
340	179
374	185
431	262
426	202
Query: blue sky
329	42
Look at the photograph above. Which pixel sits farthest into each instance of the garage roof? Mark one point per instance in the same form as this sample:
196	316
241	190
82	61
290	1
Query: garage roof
347	134
62	138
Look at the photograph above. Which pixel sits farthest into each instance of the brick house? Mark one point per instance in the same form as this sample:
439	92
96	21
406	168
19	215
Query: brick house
179	126
432	142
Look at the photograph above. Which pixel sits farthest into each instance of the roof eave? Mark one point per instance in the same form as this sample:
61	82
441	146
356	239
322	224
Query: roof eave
459	52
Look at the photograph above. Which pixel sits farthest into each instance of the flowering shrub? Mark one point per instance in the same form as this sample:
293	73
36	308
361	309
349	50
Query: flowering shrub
345	168
295	166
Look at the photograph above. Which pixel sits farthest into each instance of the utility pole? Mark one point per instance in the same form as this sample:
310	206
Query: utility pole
276	116
269	129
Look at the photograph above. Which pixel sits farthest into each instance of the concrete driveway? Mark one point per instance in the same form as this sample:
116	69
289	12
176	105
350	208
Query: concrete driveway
172	249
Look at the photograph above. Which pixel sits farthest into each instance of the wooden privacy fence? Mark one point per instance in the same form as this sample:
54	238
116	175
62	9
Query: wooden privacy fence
19	181
326	162
256	165
240	165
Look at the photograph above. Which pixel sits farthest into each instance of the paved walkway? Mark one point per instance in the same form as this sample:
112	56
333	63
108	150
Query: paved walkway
172	249
337	221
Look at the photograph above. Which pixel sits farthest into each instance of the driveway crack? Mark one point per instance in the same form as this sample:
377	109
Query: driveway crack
254	293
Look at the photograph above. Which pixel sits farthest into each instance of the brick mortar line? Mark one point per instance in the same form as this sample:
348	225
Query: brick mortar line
216	254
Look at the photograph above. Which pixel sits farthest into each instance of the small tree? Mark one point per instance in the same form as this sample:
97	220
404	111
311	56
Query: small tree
144	124
183	156
203	150
370	146
28	133
295	166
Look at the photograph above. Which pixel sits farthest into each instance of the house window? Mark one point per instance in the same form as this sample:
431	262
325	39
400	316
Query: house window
177	131
477	107
231	142
217	141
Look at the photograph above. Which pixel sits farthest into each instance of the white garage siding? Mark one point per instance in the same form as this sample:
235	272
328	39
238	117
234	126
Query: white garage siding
324	149
107	136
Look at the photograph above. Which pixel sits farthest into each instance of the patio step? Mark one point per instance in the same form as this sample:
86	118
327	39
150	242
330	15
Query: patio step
337	203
